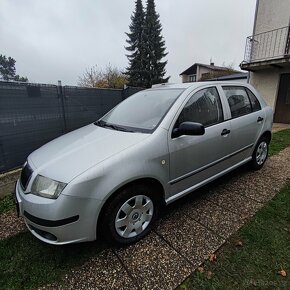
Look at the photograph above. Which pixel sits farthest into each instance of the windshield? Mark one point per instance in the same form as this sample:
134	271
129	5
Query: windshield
141	112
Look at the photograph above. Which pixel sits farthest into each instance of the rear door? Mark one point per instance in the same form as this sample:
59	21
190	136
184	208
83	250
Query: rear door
247	120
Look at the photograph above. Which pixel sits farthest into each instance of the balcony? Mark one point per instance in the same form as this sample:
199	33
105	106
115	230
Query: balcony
267	49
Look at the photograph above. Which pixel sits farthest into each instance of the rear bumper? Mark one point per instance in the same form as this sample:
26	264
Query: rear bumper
64	220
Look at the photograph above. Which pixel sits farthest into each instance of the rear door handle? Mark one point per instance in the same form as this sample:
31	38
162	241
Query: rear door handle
225	132
260	119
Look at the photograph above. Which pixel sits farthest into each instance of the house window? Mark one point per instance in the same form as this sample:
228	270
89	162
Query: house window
192	78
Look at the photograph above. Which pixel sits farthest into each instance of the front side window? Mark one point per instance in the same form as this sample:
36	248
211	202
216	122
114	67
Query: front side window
238	101
203	107
141	112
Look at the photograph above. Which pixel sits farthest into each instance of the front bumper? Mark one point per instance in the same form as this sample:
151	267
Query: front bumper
64	220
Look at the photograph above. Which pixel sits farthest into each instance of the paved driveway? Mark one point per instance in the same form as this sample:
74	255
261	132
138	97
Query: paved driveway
188	232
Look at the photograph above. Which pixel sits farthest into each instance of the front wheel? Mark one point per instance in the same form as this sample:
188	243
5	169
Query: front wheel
130	214
260	153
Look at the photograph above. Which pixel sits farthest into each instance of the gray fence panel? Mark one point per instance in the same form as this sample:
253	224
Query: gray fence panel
33	114
86	105
30	116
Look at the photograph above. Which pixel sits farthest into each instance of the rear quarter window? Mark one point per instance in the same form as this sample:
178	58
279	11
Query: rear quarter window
256	106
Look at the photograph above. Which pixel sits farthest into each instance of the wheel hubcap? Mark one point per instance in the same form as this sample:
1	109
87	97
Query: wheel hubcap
261	153
134	216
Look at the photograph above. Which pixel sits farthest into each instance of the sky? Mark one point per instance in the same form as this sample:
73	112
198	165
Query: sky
58	39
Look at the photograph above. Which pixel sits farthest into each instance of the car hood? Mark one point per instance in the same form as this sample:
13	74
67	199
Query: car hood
70	155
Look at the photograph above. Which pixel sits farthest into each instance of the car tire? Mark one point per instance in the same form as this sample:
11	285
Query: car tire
260	153
130	215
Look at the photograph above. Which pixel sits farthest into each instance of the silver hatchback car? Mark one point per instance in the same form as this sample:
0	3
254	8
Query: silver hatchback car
111	177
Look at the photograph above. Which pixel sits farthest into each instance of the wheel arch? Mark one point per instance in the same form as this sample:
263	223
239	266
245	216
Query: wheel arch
140	181
268	135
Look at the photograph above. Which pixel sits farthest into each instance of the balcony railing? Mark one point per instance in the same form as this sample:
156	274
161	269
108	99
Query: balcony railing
268	45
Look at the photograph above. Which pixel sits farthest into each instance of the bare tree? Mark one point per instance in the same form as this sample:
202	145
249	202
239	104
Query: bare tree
111	77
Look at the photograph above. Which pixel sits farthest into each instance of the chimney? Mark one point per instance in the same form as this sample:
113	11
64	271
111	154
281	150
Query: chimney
211	62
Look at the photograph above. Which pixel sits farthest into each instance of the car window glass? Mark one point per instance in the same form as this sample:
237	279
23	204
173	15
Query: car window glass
203	107
238	100
143	110
254	101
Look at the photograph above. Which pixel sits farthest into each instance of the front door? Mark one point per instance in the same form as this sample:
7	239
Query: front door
282	109
193	159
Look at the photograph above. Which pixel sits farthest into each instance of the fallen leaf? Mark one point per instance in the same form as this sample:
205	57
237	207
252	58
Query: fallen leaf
282	273
209	274
200	269
238	243
212	257
243	216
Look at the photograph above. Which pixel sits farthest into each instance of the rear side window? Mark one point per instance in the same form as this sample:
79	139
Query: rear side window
203	107
254	101
238	100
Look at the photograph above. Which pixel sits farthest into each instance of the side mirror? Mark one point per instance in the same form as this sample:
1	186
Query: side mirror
188	128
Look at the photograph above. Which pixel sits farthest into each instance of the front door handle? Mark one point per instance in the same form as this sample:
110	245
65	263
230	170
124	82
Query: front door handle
225	132
260	119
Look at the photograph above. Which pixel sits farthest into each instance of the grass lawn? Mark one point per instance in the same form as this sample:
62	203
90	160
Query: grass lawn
27	263
252	258
280	140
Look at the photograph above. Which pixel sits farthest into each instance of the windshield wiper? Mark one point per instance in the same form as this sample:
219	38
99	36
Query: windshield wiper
102	123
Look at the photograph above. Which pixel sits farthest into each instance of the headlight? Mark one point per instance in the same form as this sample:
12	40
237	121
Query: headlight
47	187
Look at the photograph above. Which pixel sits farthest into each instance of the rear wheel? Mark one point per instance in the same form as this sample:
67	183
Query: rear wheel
260	153
129	216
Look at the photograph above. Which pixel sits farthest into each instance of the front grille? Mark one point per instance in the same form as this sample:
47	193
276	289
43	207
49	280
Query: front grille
25	175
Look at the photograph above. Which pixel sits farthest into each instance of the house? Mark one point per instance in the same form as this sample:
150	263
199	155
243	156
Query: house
267	55
199	72
237	77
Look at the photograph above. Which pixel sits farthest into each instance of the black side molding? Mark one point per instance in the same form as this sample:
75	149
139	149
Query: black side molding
49	223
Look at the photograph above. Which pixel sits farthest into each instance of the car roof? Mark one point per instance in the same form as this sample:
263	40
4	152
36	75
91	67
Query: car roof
196	84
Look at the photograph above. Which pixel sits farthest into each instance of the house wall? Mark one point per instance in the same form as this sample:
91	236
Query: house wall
185	78
272	14
201	70
266	82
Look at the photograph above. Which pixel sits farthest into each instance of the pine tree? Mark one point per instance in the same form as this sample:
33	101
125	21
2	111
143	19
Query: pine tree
135	71
7	67
155	47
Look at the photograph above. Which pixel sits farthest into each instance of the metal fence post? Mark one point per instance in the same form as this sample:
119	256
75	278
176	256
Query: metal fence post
61	96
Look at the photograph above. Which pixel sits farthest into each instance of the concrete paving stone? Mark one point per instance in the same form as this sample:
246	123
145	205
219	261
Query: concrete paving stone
279	127
188	205
7	182
10	224
104	271
235	201
154	264
188	237
216	218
